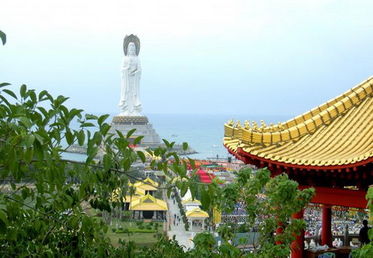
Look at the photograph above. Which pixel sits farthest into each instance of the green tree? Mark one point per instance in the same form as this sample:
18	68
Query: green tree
269	202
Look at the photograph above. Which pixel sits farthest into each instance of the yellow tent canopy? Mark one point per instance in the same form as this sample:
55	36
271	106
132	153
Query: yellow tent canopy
197	213
148	203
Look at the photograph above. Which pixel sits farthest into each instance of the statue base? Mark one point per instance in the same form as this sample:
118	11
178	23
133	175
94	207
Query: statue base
142	126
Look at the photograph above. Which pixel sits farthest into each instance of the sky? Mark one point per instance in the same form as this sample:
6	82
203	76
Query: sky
251	57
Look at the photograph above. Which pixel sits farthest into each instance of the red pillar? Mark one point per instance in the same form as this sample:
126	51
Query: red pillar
326	226
297	246
279	231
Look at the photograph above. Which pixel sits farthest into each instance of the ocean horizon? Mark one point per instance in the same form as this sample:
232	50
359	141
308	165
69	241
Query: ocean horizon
203	132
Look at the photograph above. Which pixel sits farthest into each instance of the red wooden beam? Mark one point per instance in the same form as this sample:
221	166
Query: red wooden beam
339	197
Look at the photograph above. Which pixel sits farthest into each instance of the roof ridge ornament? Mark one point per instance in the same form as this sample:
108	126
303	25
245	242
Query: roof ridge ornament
302	125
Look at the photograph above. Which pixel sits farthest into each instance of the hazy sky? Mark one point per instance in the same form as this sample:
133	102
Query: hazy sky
232	57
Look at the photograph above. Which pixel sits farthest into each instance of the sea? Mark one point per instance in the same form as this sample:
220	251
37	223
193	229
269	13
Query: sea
203	132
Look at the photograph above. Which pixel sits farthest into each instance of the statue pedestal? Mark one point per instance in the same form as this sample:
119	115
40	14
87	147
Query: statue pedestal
142	126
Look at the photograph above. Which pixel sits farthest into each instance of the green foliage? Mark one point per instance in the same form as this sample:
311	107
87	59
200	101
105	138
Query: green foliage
269	202
164	248
276	199
42	208
204	244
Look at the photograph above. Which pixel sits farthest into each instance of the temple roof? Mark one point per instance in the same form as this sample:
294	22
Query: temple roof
117	192
148	203
147	185
339	133
190	201
196	213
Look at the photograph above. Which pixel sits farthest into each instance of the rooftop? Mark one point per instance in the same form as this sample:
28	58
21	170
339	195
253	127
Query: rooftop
339	133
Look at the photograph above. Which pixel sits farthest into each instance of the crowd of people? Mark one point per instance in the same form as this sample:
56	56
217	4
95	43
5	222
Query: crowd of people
312	217
238	215
340	219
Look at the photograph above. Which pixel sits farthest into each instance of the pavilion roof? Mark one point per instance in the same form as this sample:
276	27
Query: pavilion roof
132	198
337	134
117	192
148	203
147	185
196	213
190	201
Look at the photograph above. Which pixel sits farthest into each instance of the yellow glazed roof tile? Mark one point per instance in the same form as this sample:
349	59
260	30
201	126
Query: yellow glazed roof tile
336	133
115	195
191	201
196	213
148	203
146	186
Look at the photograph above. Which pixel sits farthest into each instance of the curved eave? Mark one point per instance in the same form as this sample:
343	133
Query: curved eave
263	162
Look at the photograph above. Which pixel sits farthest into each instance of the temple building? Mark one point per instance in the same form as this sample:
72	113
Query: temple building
149	207
196	219
142	201
329	148
148	185
195	215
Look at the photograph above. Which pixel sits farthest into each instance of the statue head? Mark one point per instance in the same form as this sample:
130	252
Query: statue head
131	45
131	49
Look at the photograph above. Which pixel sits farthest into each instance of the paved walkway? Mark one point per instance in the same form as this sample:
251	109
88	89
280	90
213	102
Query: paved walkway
178	230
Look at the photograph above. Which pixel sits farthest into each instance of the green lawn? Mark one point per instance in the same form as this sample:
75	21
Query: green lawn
141	239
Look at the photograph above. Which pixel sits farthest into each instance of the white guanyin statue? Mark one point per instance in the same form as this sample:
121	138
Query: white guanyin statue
129	103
